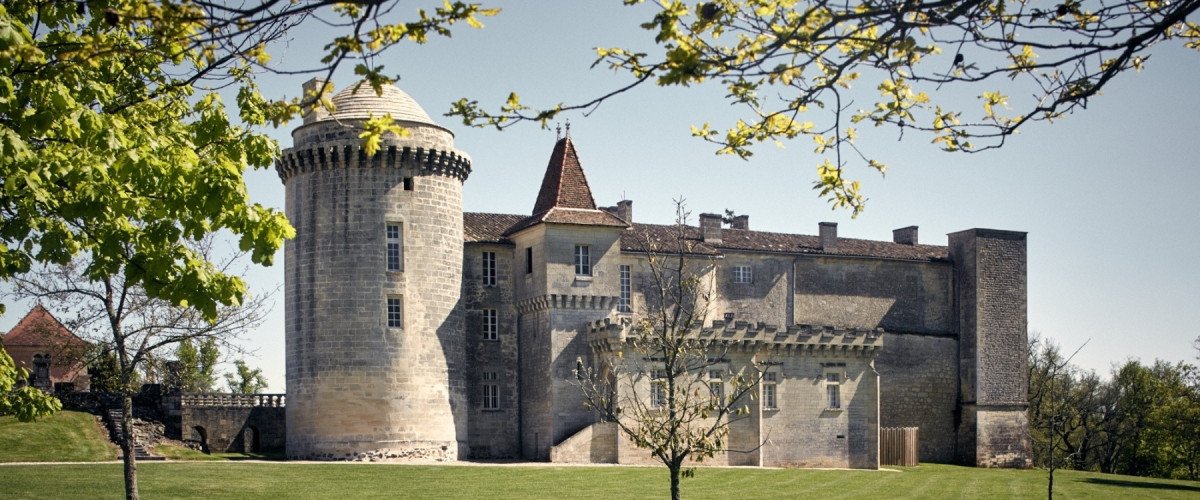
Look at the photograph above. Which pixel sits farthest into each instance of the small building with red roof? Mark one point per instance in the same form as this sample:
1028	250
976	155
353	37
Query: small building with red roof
53	354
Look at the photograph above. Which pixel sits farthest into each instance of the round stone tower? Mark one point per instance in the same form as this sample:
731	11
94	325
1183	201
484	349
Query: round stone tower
374	327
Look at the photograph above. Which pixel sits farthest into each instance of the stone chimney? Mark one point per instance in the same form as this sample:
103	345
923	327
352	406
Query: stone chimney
740	222
625	210
317	112
710	227
828	235
905	235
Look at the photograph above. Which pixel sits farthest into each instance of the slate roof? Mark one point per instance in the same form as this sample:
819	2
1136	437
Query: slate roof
39	328
493	228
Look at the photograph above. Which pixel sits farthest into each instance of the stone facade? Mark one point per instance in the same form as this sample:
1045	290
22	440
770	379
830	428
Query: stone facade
499	310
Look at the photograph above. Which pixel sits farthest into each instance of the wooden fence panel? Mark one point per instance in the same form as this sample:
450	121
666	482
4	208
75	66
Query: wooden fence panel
899	446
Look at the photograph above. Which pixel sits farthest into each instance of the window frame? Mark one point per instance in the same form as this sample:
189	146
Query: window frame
583	260
491	325
770	390
833	391
743	274
394	317
490	391
394	253
625	301
658	388
488	268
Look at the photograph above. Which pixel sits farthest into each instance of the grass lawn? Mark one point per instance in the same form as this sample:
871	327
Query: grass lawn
67	436
228	479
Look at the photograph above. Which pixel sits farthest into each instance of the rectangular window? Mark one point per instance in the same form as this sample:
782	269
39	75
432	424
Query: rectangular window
395	248
716	387
658	388
583	260
625	305
491	391
395	312
489	268
769	388
529	260
743	274
408	183
833	388
490	327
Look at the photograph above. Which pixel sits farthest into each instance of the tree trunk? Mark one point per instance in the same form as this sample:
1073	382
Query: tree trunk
674	481
131	489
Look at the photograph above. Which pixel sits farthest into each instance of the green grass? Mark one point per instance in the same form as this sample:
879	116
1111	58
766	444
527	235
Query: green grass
67	436
283	480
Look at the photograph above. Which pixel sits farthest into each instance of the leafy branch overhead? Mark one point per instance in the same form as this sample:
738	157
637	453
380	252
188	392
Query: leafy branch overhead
821	68
114	141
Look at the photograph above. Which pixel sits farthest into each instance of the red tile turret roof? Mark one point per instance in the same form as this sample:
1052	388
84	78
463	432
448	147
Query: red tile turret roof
565	197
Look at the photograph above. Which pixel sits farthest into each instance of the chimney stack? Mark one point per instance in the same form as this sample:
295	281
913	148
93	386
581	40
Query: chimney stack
828	235
905	235
625	210
740	222
311	88
710	227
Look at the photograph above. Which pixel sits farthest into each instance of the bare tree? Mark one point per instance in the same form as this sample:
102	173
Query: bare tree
660	384
116	312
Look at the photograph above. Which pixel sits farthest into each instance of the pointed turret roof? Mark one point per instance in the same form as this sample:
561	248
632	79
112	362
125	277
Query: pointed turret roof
39	328
564	184
565	197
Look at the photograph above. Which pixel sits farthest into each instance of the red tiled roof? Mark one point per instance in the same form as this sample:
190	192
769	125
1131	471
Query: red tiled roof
564	184
493	228
488	228
39	328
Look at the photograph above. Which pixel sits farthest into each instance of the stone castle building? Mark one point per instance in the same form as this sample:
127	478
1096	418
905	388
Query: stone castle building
415	330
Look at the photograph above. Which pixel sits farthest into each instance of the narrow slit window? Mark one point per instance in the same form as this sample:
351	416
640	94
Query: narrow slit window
395	247
529	260
489	268
625	304
491	327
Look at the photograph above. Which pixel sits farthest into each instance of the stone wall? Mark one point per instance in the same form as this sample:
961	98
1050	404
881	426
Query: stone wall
897	296
357	387
594	444
235	429
919	380
990	285
492	433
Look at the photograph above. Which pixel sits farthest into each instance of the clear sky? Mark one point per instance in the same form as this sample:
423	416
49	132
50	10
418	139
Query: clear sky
1107	195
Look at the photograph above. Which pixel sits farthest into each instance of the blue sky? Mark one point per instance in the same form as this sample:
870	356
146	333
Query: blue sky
1107	195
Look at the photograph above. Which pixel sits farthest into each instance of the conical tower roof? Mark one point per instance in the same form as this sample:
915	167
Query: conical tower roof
565	197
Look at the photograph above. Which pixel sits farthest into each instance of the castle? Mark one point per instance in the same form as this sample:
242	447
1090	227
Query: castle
415	330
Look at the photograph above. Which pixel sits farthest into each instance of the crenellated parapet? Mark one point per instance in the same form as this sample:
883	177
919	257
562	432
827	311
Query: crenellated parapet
612	334
295	161
564	301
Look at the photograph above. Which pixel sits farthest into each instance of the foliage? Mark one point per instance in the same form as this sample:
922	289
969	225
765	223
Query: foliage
797	68
656	386
67	436
22	401
254	480
116	148
197	365
1144	420
246	380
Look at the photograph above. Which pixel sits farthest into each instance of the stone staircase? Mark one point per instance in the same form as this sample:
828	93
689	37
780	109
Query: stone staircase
116	431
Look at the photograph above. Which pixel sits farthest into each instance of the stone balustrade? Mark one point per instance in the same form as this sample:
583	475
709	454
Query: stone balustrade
233	400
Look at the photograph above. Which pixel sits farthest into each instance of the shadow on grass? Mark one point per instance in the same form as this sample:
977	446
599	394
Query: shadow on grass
277	456
1142	484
